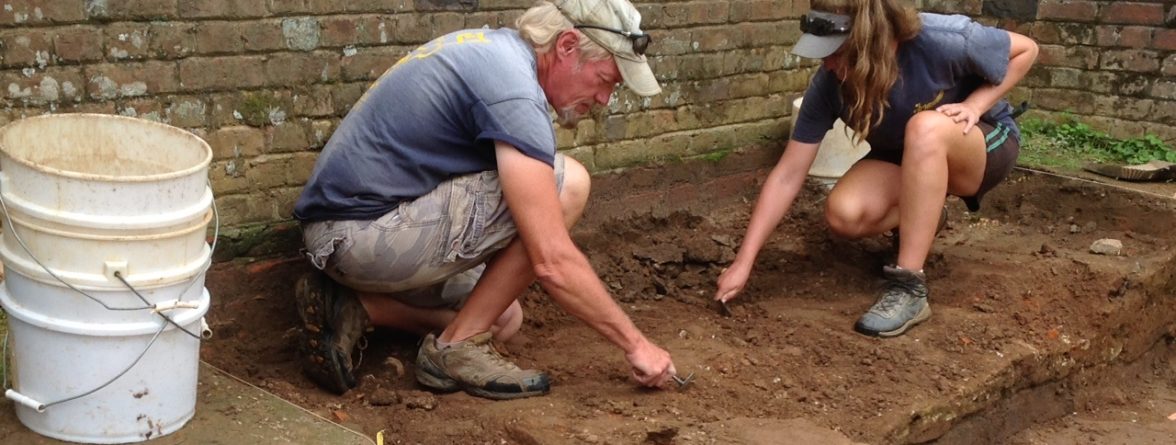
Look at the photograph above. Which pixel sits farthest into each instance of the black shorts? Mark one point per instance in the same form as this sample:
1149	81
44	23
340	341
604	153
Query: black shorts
1002	147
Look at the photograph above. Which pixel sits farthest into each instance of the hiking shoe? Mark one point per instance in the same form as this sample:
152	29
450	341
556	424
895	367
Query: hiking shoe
473	365
903	304
333	323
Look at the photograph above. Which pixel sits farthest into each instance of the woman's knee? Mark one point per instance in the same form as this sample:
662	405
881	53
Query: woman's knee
926	135
844	218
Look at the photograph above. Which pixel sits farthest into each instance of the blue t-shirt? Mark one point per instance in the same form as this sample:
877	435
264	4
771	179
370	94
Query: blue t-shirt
950	58
433	115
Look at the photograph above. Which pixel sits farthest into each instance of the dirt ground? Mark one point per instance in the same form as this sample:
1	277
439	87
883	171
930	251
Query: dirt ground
1027	324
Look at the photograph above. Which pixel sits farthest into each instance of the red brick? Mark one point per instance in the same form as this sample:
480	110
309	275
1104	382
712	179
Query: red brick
112	81
368	63
1066	10
285	69
41	12
78	44
1073	57
1136	36
221	73
1165	39
26	47
1132	13
350	30
134	9
1130	60
228	9
127	41
263	35
51	85
217	37
172	40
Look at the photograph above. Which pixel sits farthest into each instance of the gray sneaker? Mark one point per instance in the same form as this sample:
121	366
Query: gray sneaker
904	304
333	324
473	365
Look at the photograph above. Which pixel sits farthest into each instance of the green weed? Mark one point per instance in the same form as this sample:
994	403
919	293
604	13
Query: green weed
1069	143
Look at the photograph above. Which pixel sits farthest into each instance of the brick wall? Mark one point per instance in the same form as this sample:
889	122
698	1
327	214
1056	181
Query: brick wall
266	81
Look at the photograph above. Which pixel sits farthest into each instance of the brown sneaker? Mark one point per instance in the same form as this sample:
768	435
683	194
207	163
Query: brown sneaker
334	321
476	367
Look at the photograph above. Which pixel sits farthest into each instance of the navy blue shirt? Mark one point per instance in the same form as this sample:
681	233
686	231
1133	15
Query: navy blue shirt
432	116
950	58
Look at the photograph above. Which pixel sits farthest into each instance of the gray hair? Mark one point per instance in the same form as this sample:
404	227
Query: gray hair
542	24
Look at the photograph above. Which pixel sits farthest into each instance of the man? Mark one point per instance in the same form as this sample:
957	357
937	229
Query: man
440	199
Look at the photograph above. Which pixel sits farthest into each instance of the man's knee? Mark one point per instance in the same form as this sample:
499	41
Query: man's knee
577	185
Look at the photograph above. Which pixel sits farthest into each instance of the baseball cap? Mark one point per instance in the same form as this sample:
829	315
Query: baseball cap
824	33
616	26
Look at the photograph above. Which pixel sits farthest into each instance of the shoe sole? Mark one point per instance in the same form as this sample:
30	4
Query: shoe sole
429	379
322	363
922	316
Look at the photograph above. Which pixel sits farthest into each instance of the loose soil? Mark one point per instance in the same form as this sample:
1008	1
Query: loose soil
1027	321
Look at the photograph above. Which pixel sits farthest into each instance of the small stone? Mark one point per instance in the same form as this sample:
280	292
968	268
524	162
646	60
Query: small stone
419	400
1074	228
383	397
396	365
1107	246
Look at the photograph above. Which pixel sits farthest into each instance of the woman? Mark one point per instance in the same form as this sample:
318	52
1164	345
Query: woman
925	90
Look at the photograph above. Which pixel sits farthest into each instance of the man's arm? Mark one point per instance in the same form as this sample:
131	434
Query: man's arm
528	186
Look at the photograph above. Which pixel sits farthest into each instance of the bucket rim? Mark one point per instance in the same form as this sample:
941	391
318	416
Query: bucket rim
200	165
185	317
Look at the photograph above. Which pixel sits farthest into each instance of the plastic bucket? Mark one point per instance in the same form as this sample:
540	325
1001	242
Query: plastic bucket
837	152
105	225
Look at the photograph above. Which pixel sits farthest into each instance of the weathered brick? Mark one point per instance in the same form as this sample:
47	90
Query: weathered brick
172	40
77	44
302	68
1165	39
132	9
313	101
186	112
229	9
51	85
368	63
970	7
301	166
283	200
405	29
1169	68
268	171
218	37
1116	127
1132	13
321	131
221	73
341	31
26	47
771	34
503	4
1125	107
112	81
1164	89
127	41
1079	102
1065	78
1077	34
243	209
283	7
301	33
757	10
286	137
447	22
142	108
41	12
692	13
1065	10
1072	57
262	35
228	177
345	95
236	142
491	19
1136	37
1130	60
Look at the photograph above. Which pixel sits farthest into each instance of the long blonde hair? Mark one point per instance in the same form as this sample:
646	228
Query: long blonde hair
878	27
541	25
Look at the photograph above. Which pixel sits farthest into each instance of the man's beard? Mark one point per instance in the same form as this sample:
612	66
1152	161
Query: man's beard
568	117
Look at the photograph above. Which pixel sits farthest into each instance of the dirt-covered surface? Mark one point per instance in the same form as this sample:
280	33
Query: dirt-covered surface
1027	322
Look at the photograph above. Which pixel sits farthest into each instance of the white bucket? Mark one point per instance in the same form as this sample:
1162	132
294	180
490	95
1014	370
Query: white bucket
94	204
837	152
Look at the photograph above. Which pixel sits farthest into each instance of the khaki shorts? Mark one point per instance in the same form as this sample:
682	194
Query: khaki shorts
428	252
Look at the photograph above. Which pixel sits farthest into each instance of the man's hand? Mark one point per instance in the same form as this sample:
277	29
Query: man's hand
731	282
652	365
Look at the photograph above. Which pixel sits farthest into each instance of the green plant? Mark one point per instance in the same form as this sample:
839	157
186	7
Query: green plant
1070	143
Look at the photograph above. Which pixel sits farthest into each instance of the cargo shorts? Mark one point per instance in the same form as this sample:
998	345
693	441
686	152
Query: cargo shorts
427	252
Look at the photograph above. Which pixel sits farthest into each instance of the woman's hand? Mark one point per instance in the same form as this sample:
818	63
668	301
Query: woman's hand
961	112
731	282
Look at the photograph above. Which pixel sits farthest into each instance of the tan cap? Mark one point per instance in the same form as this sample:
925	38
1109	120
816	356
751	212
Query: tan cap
617	15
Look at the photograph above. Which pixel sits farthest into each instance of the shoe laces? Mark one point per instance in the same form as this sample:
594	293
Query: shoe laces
898	292
487	348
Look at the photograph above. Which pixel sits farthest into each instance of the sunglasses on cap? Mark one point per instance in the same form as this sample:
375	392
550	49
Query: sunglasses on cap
821	26
640	41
